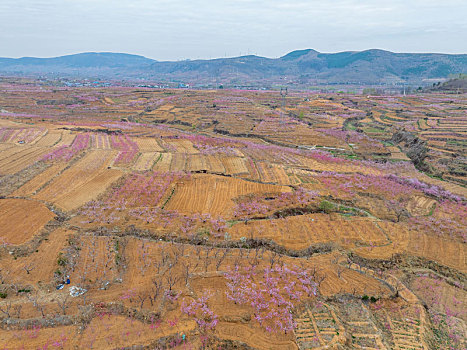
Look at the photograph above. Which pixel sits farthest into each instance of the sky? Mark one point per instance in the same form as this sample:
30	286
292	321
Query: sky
204	29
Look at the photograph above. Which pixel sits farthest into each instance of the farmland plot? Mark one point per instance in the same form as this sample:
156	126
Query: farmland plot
215	164
302	231
85	180
42	263
164	162
445	252
234	165
214	194
49	140
40	180
146	161
272	173
19	157
66	139
196	163
148	144
180	146
21	219
100	141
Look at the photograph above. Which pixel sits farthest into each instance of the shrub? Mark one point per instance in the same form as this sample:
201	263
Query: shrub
326	206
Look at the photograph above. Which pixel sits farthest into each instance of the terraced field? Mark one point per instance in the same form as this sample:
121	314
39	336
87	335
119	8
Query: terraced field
194	219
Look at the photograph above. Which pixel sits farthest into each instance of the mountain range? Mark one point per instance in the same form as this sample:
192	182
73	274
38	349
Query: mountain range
301	67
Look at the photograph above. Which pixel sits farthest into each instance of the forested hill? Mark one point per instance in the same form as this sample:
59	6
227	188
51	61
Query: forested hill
297	67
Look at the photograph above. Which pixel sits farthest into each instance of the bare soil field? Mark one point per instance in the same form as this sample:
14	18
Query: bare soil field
17	158
83	181
21	219
212	194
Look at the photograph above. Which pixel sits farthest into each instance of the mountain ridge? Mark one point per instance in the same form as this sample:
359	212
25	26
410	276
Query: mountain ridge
308	66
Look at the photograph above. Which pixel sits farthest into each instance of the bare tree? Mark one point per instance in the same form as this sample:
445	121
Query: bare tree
171	280
142	296
83	274
156	290
28	268
176	257
398	207
92	249
143	254
195	266
225	252
317	276
255	260
158	265
5	309
16	287
62	303
34	299
207	259
186	272
273	258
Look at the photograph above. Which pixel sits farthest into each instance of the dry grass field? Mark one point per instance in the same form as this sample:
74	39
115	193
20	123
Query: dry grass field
193	219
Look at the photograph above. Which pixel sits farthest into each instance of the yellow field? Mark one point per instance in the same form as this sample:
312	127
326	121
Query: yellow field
214	194
85	180
302	231
21	219
146	161
17	158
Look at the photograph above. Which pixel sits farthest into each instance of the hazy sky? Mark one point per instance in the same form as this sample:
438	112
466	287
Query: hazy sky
181	29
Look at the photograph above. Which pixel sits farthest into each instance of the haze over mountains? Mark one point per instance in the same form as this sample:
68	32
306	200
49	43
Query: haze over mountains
300	67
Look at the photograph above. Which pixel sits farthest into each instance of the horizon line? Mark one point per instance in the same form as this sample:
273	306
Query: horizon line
227	57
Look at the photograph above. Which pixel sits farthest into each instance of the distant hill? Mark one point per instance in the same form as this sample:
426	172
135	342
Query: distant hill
457	85
300	67
89	64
